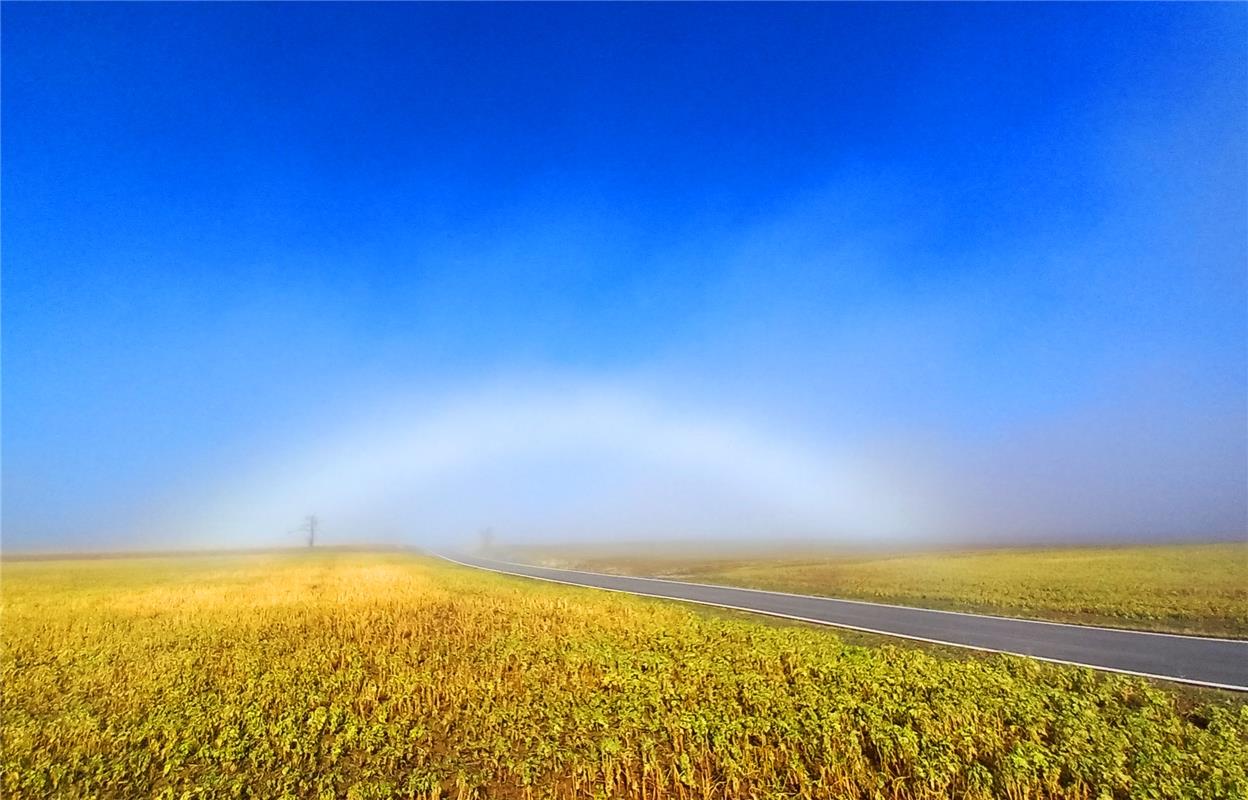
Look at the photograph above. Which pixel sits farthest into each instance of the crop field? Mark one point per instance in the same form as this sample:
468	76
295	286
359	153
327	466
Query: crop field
1191	588
369	675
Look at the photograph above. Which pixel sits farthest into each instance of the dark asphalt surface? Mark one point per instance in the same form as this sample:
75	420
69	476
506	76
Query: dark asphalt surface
1190	659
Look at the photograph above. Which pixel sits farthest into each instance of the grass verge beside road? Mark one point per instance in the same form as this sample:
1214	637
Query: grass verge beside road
1192	588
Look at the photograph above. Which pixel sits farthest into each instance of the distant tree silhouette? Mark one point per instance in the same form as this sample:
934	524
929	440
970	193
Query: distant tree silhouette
308	528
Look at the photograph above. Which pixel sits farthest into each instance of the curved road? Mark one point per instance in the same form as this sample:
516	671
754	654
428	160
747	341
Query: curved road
1221	663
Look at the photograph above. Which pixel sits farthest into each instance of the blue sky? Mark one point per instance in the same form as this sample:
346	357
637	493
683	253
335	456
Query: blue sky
991	256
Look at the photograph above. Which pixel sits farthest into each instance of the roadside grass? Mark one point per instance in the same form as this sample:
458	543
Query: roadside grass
1189	698
1177	588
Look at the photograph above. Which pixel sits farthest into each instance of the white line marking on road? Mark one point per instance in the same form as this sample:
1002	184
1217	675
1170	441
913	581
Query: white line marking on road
873	603
825	622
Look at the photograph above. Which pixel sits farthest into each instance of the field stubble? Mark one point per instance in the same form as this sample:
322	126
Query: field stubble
367	675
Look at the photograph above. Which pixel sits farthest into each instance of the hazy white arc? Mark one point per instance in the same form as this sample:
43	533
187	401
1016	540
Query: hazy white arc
398	454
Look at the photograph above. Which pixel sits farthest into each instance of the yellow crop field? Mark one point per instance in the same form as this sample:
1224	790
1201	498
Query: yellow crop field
1187	588
375	675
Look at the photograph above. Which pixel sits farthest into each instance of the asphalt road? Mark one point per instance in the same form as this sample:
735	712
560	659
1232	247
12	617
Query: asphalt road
1222	663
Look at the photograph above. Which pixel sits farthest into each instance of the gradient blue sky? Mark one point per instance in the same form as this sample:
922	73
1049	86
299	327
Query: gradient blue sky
992	255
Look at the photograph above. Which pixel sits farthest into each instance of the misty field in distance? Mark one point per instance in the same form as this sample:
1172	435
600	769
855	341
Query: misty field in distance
1177	588
361	675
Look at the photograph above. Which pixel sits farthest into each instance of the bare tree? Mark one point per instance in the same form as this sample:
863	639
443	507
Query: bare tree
308	528
487	539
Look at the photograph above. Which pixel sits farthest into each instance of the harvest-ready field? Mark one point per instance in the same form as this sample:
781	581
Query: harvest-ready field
1200	588
376	675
